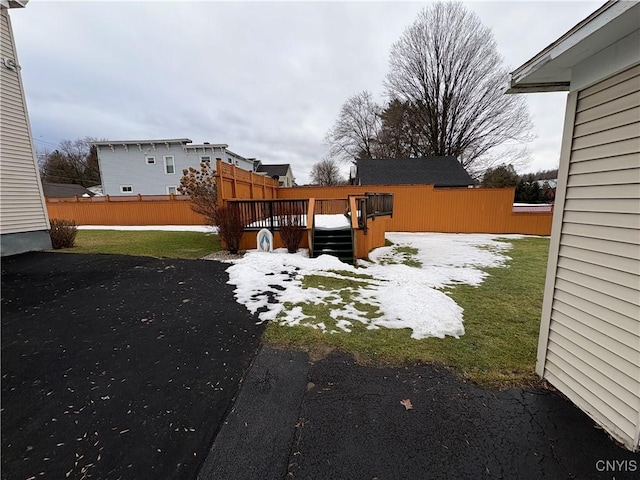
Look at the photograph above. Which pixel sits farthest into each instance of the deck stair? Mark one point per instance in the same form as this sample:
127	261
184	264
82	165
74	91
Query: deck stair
336	242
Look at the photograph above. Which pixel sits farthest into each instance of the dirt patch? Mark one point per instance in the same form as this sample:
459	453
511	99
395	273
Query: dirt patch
224	256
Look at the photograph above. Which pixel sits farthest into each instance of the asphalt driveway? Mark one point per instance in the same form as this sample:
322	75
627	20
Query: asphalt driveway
117	366
127	367
352	426
335	419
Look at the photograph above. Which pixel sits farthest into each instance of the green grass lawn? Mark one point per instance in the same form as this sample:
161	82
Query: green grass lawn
146	242
501	320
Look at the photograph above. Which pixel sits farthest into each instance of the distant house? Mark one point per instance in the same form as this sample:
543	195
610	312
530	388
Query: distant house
437	171
154	167
64	190
281	172
589	345
24	223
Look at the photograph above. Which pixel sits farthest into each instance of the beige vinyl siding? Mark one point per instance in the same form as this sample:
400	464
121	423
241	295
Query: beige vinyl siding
593	346
21	202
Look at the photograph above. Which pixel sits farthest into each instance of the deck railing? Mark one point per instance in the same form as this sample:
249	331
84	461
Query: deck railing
259	214
379	204
331	206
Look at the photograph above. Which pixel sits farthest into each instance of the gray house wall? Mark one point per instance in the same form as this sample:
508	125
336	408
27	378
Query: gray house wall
125	164
589	344
24	223
590	334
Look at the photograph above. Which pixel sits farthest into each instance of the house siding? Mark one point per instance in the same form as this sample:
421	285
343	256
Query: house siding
126	165
23	214
288	179
592	347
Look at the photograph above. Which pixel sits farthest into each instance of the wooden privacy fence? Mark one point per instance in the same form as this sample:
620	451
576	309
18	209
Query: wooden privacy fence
416	208
423	208
160	209
125	210
234	182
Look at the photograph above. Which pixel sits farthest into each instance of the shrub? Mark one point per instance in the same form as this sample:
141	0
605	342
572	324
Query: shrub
200	185
63	233
291	228
230	227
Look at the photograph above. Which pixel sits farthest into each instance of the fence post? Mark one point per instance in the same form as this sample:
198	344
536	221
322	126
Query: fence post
235	186
219	181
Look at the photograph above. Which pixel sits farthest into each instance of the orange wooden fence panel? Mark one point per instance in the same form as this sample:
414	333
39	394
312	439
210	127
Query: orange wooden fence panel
243	185
423	208
137	210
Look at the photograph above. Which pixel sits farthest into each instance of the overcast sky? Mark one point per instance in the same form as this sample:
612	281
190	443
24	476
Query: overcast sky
267	78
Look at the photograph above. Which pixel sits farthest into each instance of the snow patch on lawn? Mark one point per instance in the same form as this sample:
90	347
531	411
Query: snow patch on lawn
402	296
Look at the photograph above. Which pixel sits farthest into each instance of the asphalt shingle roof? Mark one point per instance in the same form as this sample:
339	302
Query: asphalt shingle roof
275	169
438	171
63	190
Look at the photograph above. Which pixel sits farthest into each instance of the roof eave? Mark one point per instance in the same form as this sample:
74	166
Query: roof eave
13	3
136	142
521	80
538	87
207	145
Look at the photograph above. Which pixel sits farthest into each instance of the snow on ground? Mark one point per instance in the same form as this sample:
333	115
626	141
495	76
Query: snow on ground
167	228
405	296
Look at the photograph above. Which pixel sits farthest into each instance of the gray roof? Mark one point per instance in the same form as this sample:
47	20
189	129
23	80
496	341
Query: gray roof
141	142
64	190
437	171
280	169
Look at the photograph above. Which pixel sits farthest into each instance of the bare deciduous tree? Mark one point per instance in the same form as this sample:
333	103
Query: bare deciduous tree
447	71
326	173
355	133
400	132
74	161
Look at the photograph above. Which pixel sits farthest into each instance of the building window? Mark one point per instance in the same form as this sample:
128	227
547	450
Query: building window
230	160
205	158
151	160
172	190
169	165
126	188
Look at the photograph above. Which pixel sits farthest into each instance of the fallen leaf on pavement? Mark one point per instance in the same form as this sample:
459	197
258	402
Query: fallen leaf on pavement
406	404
